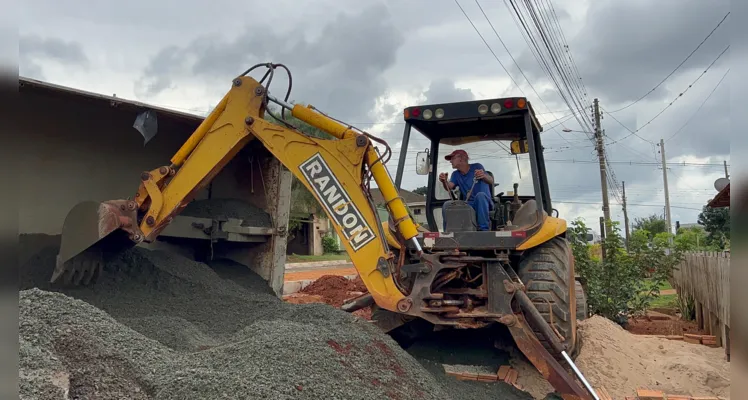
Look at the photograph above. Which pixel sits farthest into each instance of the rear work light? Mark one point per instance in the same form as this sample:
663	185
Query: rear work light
495	108
427	114
482	109
439	113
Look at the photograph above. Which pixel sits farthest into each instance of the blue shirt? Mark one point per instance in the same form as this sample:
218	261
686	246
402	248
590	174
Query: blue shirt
465	182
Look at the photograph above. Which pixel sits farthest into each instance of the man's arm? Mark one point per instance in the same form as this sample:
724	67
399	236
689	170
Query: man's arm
480	172
449	181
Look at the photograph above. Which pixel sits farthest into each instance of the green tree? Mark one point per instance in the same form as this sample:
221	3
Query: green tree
693	239
302	200
716	222
653	224
423	190
624	283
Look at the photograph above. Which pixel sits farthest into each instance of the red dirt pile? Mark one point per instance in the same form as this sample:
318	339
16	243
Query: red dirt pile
335	290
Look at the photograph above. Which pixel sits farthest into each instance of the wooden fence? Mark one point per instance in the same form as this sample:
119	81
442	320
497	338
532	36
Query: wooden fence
705	276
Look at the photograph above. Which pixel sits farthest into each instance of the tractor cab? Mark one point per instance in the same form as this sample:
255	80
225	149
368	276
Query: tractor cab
494	133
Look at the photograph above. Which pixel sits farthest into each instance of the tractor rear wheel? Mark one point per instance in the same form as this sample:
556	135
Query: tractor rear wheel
548	274
581	301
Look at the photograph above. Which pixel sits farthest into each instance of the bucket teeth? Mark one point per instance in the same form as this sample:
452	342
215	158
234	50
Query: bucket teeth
91	231
84	269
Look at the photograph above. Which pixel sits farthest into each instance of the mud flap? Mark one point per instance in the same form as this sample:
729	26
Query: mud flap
502	292
552	371
91	232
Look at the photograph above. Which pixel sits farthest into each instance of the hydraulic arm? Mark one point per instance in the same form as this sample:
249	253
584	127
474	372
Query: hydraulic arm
336	171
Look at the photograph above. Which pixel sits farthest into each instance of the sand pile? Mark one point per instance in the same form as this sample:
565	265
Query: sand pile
166	327
622	362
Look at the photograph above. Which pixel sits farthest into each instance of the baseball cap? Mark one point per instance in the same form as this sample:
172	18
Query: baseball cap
454	153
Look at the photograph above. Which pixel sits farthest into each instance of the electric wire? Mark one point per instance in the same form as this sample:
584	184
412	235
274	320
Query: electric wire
676	68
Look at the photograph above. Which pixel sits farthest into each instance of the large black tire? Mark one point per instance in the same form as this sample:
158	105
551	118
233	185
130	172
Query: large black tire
581	301
548	275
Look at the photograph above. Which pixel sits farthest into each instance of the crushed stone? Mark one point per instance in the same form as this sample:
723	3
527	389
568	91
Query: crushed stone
167	327
229	208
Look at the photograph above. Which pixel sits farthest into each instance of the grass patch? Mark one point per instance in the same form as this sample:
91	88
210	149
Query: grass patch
663	286
665	301
295	258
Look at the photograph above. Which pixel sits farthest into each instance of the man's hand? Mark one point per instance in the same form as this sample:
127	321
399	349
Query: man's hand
443	177
481	175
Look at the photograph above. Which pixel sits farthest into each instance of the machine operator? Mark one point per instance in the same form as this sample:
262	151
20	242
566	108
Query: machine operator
463	176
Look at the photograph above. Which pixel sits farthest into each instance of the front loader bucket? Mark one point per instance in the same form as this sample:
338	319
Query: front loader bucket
91	232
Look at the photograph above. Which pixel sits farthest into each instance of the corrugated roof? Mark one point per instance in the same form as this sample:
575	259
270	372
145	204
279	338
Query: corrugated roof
25	84
722	199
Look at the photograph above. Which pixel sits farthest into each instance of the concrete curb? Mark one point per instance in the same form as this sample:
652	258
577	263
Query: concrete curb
296	286
316	264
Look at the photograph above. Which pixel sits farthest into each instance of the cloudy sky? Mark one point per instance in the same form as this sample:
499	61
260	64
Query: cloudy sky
365	61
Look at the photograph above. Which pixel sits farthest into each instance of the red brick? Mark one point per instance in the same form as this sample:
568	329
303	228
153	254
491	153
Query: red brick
603	394
704	398
503	370
511	376
646	394
487	377
678	397
692	340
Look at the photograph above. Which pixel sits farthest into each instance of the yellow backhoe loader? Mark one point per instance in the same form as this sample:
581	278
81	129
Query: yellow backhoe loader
519	273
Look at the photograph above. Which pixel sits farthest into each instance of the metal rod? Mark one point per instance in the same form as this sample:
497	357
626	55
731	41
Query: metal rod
403	154
358	303
533	315
417	244
580	376
280	102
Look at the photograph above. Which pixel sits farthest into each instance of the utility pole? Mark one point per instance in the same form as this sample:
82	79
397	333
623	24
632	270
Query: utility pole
664	180
726	174
601	159
625	213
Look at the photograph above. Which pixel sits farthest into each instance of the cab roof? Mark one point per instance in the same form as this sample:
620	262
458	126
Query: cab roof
471	121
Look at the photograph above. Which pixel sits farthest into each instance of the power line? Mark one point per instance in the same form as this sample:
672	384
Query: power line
489	47
676	68
701	105
513	60
671	103
627	203
532	44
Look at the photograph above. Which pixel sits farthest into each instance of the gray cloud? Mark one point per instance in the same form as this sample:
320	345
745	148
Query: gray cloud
344	60
339	71
34	51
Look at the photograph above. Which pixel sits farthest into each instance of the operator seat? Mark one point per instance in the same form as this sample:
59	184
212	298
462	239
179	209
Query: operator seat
460	217
527	215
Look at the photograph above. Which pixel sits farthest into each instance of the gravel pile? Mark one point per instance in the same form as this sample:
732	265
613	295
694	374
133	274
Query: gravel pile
166	327
229	208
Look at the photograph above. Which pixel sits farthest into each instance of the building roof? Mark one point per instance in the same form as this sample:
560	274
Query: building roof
407	195
722	199
33	85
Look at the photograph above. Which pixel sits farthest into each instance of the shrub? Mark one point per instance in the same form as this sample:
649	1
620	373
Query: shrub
617	287
329	245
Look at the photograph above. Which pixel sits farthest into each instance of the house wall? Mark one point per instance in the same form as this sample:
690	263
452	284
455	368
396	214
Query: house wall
75	149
